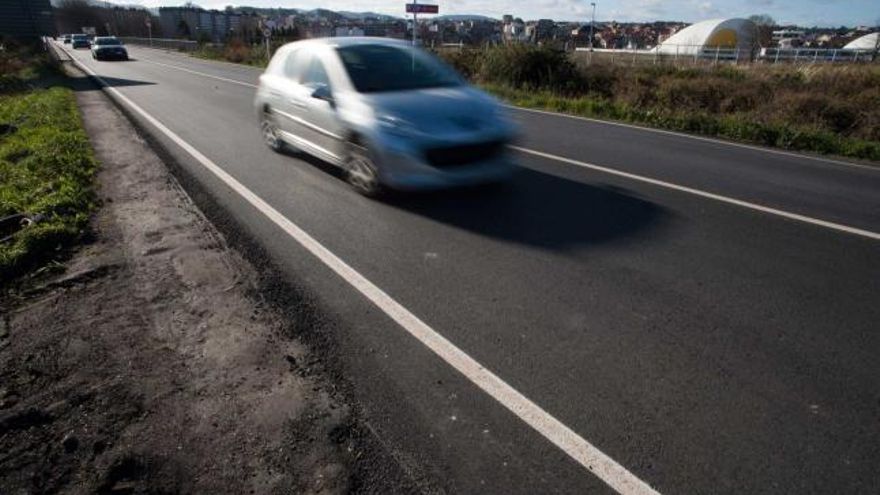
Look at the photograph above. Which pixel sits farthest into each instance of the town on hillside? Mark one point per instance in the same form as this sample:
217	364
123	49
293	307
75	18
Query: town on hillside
249	24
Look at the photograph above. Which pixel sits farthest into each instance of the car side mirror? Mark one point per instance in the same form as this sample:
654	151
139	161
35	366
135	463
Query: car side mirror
322	92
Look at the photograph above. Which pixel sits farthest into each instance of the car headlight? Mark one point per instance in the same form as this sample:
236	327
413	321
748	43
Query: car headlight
397	126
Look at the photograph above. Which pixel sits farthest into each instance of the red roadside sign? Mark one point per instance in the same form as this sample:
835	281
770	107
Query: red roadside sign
421	8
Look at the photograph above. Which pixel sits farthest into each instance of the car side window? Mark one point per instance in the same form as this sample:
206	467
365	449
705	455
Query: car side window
295	65
316	74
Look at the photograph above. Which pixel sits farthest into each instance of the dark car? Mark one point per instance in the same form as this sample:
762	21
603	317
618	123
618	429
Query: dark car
108	48
80	41
66	39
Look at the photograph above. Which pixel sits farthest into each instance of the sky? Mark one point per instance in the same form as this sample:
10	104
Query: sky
800	12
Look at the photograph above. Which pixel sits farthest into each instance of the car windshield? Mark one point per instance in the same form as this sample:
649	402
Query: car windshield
378	68
80	37
107	41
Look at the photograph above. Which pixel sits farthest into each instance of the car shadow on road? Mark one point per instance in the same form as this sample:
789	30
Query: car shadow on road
540	209
85	83
533	208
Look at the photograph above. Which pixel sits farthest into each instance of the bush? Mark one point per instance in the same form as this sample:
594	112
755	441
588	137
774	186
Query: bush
467	62
524	66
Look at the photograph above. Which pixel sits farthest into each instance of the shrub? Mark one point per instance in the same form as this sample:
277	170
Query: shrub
467	62
530	67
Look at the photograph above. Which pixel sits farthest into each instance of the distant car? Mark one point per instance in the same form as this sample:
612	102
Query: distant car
108	48
385	112
66	39
80	41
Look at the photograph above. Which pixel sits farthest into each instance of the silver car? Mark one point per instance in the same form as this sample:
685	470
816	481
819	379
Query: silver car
387	113
108	47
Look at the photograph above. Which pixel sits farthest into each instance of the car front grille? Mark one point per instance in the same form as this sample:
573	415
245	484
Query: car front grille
466	154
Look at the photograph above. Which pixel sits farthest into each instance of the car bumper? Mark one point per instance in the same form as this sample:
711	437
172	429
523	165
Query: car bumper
407	168
111	55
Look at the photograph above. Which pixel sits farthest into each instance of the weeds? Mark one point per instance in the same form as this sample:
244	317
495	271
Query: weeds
46	165
823	109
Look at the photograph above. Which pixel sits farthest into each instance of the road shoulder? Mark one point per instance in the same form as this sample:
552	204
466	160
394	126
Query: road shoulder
152	364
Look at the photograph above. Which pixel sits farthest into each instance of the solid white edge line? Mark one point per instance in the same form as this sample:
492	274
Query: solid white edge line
609	471
704	194
698	138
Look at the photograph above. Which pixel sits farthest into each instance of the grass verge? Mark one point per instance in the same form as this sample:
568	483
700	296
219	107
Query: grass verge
47	166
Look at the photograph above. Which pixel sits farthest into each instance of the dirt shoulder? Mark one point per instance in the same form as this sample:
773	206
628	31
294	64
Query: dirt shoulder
152	366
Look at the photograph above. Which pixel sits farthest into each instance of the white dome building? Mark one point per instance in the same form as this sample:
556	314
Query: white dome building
866	42
706	37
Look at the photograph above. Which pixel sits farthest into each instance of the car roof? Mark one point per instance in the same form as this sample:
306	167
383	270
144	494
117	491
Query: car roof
353	40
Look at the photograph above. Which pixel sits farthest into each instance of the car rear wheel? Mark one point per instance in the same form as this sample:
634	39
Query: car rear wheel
270	133
361	171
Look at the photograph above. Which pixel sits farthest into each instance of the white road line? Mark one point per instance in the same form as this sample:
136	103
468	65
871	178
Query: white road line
698	138
582	451
704	194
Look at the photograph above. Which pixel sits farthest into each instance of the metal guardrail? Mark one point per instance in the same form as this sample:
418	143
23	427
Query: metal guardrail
163	43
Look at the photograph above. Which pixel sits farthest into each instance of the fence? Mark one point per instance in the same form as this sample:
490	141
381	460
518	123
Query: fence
164	43
815	55
681	55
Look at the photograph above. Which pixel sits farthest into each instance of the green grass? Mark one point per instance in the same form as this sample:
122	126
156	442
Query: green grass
47	167
734	127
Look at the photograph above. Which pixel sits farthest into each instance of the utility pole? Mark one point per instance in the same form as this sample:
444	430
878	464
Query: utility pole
592	22
149	29
415	21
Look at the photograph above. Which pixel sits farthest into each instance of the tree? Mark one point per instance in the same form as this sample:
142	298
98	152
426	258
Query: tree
73	15
183	29
765	25
876	51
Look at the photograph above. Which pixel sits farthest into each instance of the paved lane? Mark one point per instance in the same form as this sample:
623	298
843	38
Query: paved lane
706	347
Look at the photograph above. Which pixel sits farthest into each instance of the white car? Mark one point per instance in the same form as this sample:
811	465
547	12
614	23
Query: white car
389	114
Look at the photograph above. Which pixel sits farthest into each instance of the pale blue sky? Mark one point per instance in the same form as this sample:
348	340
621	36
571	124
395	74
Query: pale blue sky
802	12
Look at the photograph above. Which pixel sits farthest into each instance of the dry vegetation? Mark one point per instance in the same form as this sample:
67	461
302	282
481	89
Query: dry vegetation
833	109
829	109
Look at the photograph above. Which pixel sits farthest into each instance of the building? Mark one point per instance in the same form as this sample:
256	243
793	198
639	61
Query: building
199	24
544	30
26	18
708	37
866	42
788	38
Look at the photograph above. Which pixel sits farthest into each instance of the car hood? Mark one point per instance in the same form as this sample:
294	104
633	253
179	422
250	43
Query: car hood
445	109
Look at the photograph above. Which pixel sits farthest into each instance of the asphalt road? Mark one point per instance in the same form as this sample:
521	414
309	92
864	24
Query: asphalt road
706	347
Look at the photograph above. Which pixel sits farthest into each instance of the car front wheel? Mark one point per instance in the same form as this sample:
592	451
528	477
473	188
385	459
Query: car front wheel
269	130
361	171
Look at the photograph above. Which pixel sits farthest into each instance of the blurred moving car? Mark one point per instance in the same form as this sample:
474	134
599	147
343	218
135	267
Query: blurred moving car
108	48
66	38
389	114
80	41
